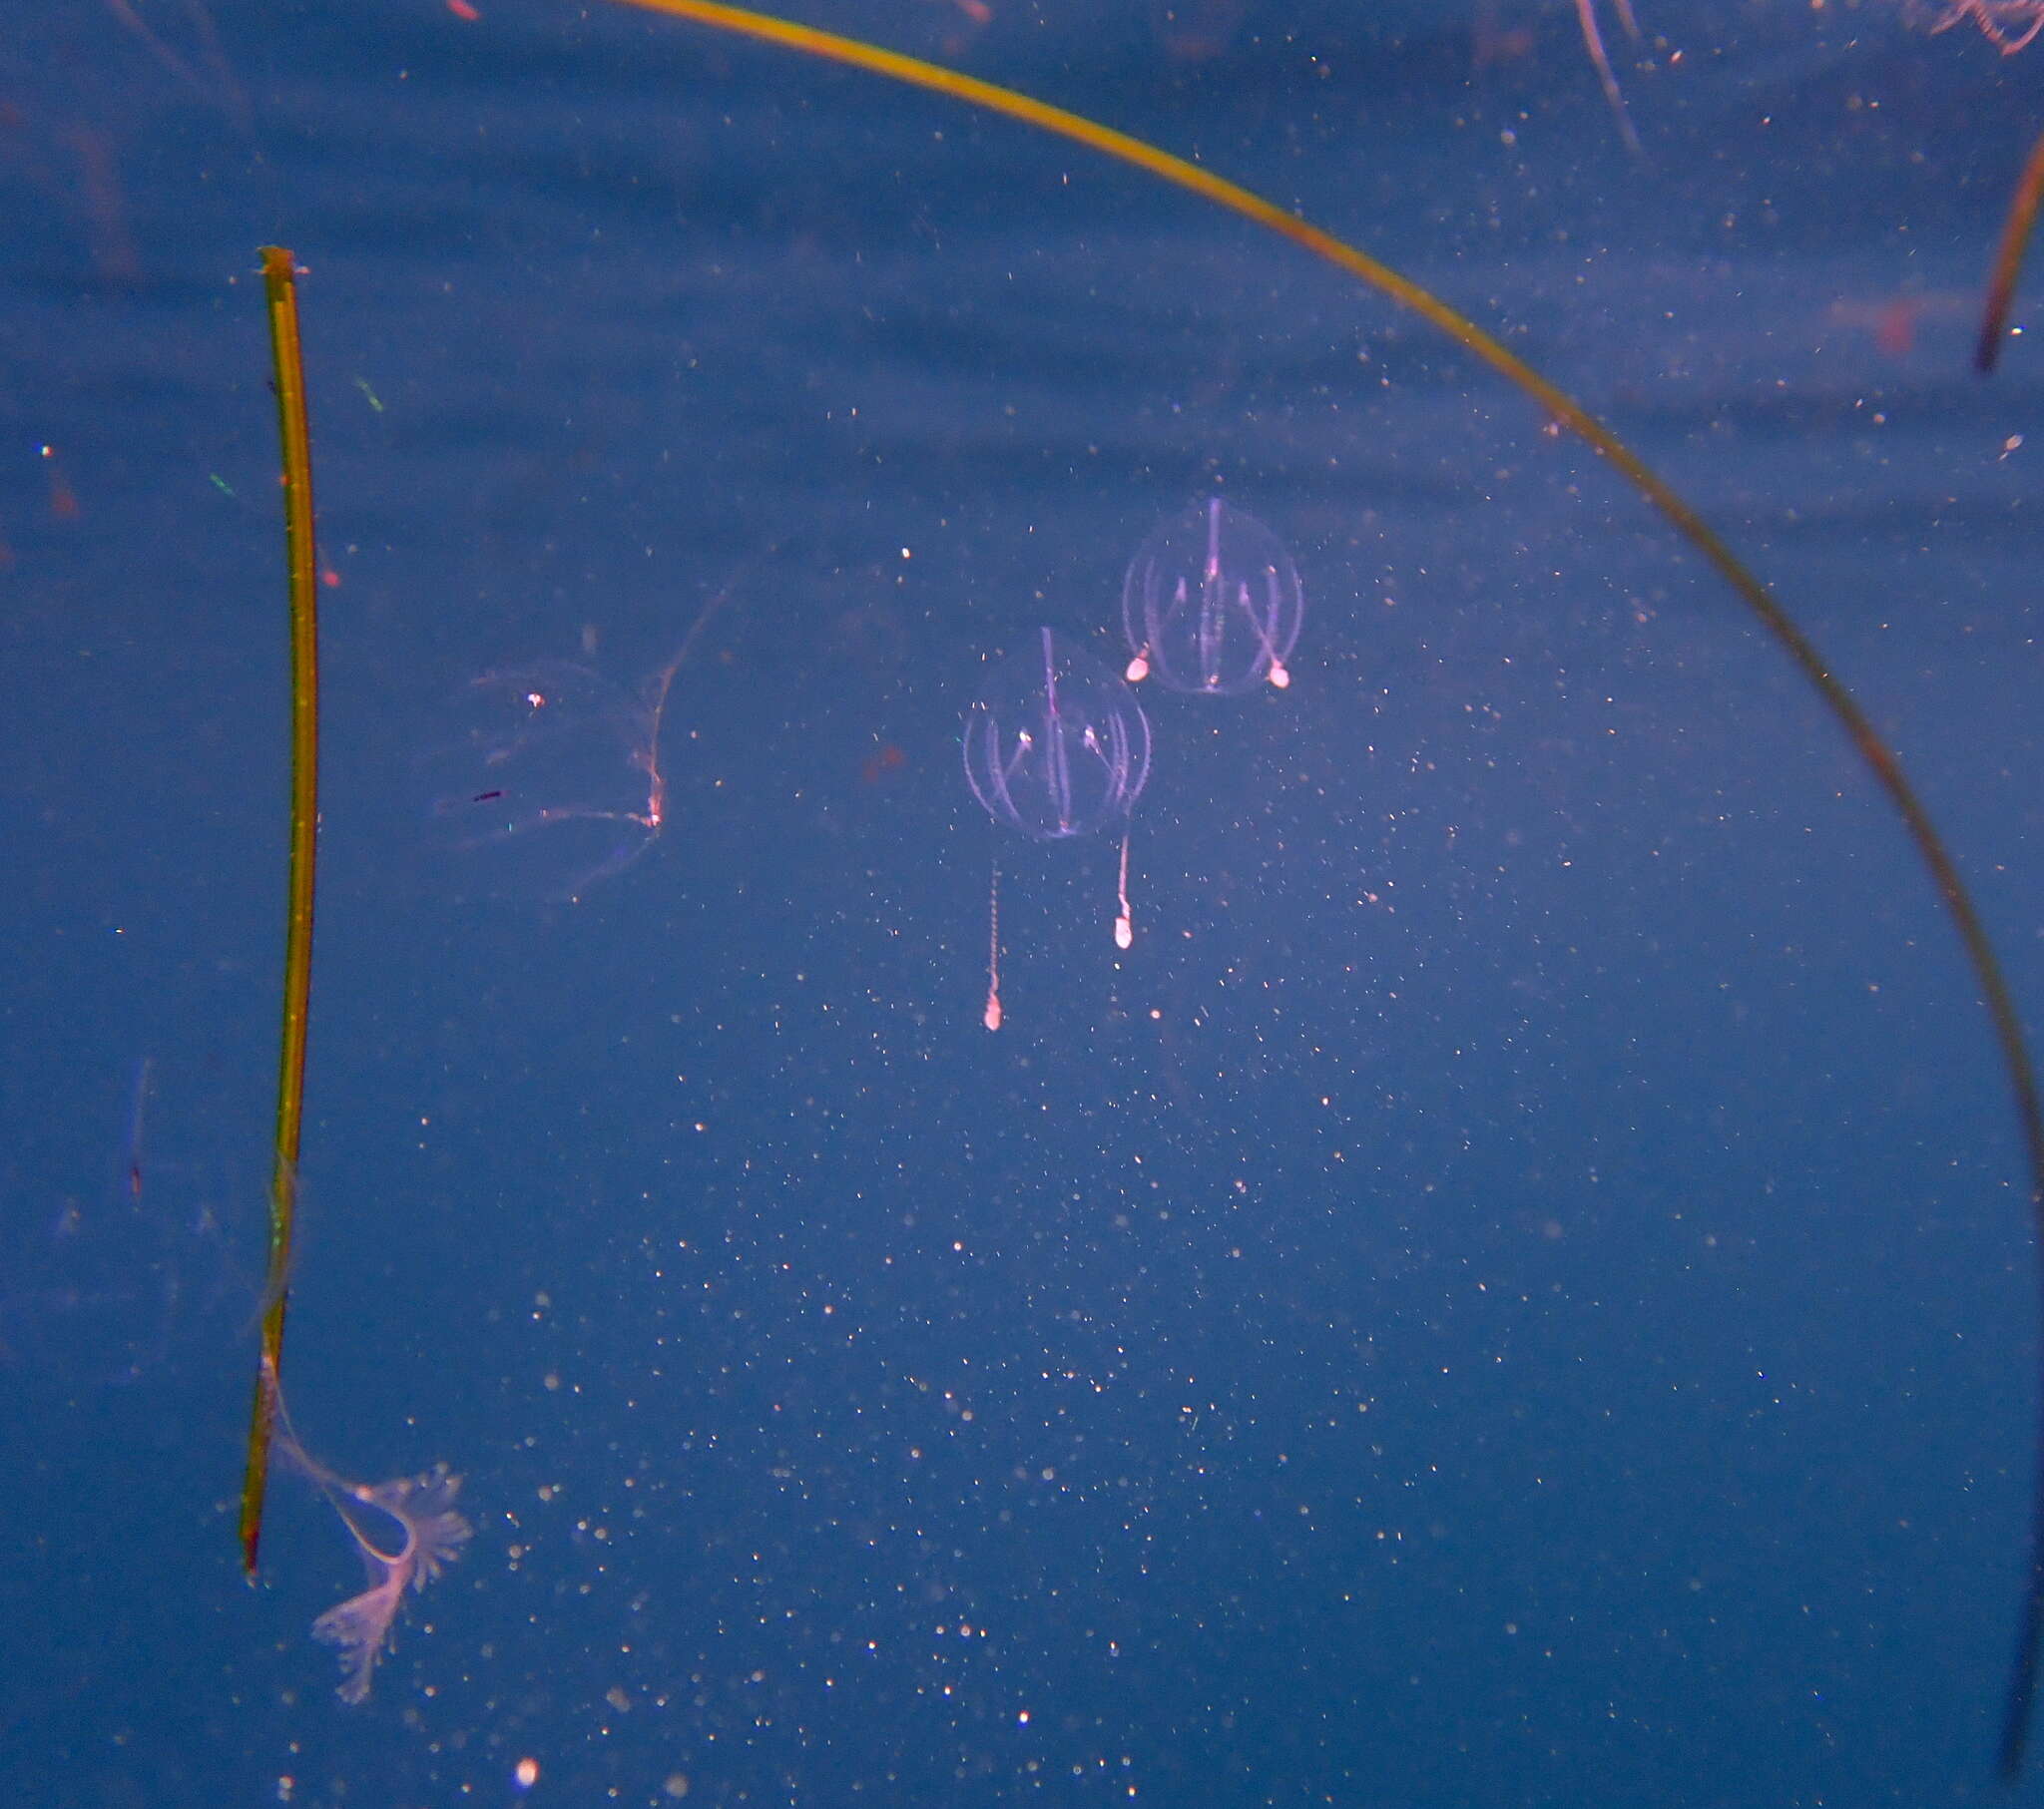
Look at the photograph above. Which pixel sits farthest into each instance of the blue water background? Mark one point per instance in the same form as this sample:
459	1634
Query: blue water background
1517	1289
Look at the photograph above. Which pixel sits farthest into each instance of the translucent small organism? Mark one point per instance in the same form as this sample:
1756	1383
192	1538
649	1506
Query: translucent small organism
1056	746
430	1533
545	779
1593	41
1211	605
2009	25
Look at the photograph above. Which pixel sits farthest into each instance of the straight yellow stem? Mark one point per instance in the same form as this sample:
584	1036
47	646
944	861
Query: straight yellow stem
280	277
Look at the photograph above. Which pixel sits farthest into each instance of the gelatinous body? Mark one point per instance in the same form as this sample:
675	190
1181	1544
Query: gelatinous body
1211	603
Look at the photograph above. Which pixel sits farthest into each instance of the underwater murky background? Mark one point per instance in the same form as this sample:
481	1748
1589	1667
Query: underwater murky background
1516	1289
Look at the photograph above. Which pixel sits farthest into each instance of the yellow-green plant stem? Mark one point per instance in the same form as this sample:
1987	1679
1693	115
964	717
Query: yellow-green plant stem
1559	406
2008	260
280	277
